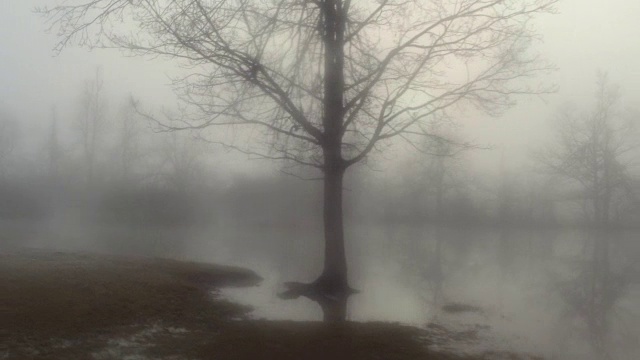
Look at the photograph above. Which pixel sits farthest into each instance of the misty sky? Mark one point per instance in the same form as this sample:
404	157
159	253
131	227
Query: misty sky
586	35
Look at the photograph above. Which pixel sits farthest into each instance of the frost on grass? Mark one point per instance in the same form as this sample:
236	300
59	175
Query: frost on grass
136	346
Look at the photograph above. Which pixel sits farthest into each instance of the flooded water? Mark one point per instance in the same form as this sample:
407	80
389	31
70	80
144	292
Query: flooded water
532	291
513	285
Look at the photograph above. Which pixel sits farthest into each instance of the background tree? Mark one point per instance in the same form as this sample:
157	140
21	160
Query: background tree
443	179
128	142
91	121
180	160
327	80
592	153
9	134
53	149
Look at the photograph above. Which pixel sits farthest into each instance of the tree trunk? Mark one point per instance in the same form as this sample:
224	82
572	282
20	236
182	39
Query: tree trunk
331	289
333	282
335	262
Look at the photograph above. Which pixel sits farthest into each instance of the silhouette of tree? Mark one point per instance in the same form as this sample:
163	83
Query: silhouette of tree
591	153
129	152
91	121
9	134
328	81
53	149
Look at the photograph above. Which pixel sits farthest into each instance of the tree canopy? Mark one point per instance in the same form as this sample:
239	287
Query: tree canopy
269	63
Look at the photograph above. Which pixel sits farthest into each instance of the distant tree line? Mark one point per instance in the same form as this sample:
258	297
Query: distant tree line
107	163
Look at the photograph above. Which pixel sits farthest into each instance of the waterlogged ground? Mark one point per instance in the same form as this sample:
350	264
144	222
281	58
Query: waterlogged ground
493	293
516	280
80	306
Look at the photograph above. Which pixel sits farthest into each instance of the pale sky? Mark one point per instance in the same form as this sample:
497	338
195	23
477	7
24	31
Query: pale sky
585	36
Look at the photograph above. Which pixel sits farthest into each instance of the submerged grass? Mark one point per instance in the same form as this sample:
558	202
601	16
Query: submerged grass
84	306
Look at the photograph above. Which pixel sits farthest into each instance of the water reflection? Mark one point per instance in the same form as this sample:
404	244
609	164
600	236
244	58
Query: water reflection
541	290
591	293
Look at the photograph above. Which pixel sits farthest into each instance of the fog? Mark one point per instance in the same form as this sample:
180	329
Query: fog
493	224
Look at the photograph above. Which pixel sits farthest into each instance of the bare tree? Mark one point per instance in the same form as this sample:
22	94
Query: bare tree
327	80
443	175
180	160
128	142
91	122
53	150
9	133
592	153
440	181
